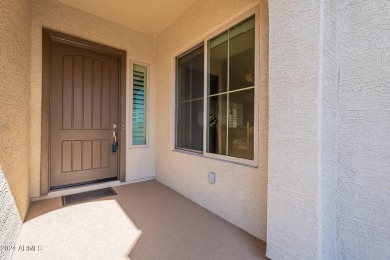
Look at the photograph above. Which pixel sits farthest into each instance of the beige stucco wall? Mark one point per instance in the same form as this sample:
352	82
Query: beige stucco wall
328	96
363	190
329	130
139	46
15	47
240	192
294	135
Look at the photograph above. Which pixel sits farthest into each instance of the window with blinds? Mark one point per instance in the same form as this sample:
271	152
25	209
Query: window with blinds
139	105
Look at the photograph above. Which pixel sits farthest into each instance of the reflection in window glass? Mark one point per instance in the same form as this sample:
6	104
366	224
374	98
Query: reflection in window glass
189	100
230	96
241	124
217	123
241	55
218	66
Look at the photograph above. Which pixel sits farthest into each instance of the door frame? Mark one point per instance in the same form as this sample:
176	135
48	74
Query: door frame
48	36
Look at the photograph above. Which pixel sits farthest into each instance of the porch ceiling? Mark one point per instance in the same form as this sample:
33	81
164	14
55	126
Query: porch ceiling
148	16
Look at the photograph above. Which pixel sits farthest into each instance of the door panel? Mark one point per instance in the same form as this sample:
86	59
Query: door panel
84	106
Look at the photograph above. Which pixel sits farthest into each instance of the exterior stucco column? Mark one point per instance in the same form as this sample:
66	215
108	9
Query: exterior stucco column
302	134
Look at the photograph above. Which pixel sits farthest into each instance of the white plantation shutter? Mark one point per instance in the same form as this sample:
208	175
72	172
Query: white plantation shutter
139	105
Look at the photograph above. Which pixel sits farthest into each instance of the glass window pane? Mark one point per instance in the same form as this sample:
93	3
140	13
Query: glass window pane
184	126
197	74
232	132
184	78
190	89
139	105
241	124
218	64
217	123
197	125
242	55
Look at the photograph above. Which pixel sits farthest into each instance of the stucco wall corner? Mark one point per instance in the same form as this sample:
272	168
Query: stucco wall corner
293	174
15	57
10	220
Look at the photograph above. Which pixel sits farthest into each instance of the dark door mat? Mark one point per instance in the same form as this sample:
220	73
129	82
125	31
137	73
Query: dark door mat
87	196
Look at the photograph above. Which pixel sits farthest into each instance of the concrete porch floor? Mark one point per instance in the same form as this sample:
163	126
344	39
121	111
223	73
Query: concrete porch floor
172	226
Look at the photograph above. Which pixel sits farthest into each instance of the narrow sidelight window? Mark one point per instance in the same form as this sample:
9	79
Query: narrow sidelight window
230	91
139	105
189	100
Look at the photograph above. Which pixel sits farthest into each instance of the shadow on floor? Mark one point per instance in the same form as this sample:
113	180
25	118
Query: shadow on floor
173	227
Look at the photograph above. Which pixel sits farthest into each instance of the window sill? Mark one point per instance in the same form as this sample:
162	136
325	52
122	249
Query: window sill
177	150
139	146
217	157
229	159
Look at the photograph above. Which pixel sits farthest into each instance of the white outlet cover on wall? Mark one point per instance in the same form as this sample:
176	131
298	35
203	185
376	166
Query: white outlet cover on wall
212	178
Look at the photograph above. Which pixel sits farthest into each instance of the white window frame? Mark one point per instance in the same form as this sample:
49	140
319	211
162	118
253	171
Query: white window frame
147	113
254	163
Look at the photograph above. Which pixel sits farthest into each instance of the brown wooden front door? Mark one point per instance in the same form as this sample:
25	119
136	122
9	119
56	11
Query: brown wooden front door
84	112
